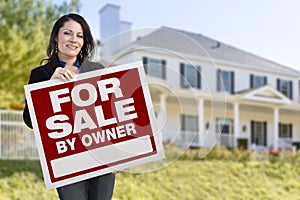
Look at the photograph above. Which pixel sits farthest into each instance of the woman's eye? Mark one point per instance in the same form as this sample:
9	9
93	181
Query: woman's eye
80	36
66	33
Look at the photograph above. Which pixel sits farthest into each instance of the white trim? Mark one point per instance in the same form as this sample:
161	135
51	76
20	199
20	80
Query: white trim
201	130
276	122
236	122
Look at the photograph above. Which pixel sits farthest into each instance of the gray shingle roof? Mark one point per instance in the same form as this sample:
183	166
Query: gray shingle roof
180	41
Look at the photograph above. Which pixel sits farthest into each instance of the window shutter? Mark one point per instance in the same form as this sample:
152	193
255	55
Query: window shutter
291	130
291	89
219	80
265	80
278	84
251	81
199	77
182	122
279	130
182	74
145	63
252	132
232	82
163	65
265	133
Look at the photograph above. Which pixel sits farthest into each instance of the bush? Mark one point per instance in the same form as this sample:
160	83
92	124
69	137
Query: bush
173	152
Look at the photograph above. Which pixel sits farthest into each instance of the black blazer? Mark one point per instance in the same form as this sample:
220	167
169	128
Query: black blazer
44	73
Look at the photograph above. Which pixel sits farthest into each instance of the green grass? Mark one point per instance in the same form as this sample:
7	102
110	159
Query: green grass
181	179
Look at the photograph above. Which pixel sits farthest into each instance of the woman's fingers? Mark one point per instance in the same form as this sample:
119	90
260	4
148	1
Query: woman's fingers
63	74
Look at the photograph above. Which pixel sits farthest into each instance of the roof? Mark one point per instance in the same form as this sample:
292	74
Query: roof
194	44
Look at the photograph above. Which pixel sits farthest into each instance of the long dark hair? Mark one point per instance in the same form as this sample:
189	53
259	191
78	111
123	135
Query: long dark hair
88	41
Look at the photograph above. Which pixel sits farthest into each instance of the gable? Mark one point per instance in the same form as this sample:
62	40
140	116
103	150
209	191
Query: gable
265	94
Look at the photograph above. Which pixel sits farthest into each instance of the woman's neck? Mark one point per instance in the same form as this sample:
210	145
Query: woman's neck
68	60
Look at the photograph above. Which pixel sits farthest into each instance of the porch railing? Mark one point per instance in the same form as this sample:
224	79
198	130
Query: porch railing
16	140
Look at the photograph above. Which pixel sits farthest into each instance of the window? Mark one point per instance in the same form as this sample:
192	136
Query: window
189	123
189	128
190	76
155	67
224	126
285	131
256	81
285	87
225	81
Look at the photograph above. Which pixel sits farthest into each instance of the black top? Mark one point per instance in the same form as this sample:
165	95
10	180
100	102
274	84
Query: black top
45	72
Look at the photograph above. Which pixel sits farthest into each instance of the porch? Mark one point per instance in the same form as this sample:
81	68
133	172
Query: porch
262	117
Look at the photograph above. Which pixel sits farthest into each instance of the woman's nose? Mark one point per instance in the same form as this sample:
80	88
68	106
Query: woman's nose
74	38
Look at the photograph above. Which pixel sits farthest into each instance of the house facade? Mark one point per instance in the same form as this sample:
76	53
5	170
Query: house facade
205	92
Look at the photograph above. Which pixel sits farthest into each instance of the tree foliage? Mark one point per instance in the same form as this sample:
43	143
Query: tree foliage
25	27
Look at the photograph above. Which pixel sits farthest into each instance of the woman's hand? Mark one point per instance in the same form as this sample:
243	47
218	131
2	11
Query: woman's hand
63	74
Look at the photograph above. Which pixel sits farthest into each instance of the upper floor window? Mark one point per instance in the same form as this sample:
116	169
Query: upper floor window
225	81
155	67
256	81
190	76
285	87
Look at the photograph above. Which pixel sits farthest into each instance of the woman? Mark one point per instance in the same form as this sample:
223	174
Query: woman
71	43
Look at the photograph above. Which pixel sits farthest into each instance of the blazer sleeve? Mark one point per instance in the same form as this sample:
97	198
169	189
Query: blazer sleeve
37	75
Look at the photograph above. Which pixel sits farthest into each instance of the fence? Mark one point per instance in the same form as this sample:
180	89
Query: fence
16	140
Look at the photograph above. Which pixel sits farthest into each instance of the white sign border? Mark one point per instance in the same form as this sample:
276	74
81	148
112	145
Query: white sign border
90	74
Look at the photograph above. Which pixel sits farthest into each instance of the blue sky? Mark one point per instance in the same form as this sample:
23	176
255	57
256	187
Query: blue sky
268	28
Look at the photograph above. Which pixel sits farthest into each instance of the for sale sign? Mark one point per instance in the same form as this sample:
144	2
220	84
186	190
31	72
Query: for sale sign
99	122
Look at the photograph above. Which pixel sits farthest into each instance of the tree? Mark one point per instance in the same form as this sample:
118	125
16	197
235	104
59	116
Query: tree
25	27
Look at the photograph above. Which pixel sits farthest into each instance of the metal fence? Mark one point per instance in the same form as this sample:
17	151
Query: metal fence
16	139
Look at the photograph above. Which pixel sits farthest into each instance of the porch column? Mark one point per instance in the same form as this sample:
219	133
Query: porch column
236	123
162	111
276	121
201	131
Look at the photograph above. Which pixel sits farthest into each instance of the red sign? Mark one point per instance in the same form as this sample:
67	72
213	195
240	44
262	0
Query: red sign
97	123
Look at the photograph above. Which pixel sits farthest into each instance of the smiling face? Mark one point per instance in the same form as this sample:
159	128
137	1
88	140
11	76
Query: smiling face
69	40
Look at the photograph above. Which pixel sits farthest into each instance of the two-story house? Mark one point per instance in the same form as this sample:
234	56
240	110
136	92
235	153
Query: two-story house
204	91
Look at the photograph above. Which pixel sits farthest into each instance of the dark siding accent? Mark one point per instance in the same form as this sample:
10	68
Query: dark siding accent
251	81
232	82
145	63
182	74
163	65
291	89
198	77
265	133
291	130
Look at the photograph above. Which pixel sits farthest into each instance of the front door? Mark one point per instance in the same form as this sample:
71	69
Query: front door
259	133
